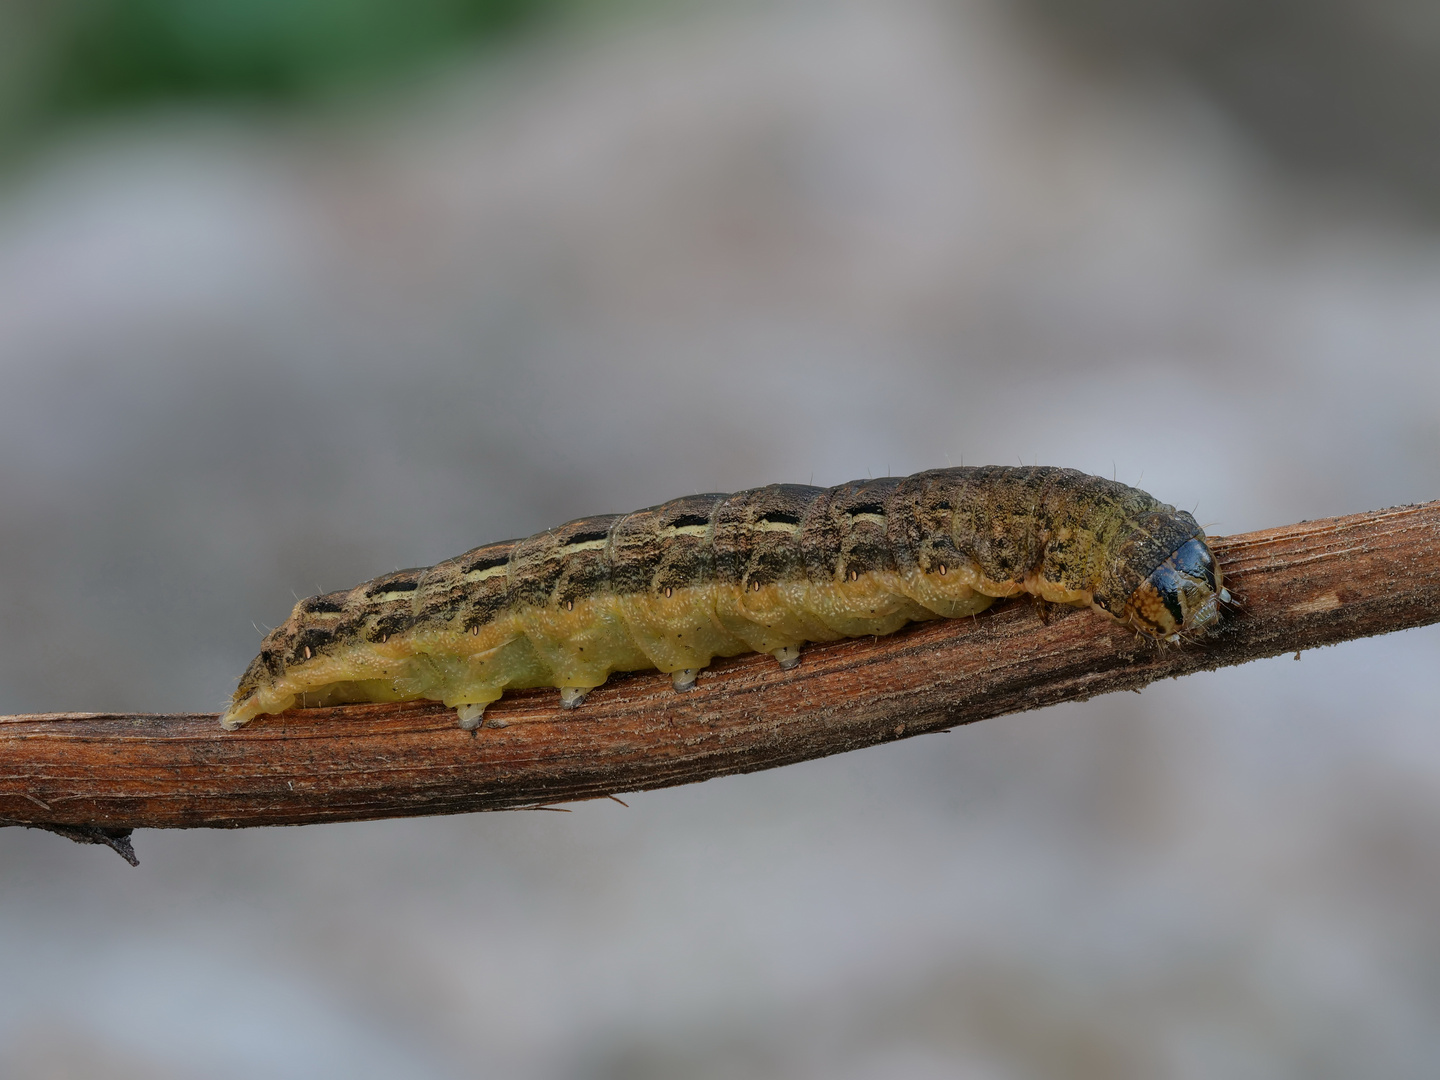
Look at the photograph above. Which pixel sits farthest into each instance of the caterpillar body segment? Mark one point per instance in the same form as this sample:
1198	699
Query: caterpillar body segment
767	570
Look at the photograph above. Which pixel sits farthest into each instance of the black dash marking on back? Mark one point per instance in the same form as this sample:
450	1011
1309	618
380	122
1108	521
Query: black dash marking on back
394	587
486	564
587	537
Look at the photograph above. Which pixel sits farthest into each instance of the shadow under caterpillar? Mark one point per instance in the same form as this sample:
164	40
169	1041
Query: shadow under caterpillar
768	570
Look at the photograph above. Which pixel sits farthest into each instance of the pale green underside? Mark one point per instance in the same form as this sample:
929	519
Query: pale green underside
580	646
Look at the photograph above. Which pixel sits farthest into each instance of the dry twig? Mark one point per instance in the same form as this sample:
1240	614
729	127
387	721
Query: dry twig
94	776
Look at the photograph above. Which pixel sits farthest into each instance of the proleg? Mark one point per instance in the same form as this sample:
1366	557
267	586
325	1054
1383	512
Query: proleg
767	570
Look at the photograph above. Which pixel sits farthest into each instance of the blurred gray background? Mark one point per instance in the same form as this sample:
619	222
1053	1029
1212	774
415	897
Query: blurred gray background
287	304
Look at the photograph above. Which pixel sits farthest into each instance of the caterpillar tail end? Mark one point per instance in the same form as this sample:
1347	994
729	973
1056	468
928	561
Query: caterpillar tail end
243	710
257	693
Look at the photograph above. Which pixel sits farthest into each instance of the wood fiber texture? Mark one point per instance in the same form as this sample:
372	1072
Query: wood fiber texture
1300	587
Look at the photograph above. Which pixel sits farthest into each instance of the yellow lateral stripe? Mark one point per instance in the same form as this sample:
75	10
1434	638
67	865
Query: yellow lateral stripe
487	573
377	670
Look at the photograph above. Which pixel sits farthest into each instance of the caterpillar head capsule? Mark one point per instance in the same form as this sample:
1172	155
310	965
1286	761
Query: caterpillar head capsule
1182	595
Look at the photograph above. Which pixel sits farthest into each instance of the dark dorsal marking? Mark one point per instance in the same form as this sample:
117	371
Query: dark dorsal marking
590	537
689	521
779	517
329	604
480	565
384	587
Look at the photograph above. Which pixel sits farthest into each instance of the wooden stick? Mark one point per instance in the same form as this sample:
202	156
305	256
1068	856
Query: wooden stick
94	776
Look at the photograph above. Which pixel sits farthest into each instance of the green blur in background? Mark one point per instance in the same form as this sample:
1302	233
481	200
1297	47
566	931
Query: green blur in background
1344	88
68	59
126	50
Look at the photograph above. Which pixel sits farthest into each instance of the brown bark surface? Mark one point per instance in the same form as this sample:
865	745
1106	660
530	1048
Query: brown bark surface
93	776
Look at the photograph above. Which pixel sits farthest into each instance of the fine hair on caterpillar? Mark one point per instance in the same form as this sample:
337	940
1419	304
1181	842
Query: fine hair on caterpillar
766	570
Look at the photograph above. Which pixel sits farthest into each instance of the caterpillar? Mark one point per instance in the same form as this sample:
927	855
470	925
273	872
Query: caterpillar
766	570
